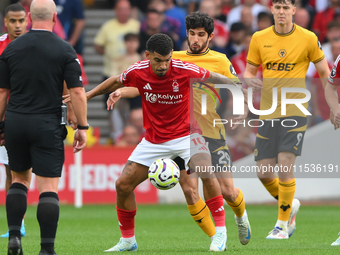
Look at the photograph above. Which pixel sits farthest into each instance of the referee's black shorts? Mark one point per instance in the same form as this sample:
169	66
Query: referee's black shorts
35	140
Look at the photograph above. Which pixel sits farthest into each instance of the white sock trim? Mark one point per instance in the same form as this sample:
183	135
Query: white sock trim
281	223
130	239
242	218
220	229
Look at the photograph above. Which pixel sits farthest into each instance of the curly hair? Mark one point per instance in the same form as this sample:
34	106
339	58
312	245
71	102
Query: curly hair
283	2
199	19
160	43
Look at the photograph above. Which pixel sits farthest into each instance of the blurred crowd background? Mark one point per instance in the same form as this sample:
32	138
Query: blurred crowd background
122	39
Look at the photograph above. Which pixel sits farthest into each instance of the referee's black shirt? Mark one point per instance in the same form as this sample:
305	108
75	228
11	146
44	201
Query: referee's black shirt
33	67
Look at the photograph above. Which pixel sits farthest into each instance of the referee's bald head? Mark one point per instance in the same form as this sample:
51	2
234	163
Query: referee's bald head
42	10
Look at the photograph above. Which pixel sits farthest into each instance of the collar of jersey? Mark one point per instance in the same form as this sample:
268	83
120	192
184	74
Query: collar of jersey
198	54
287	34
40	30
163	77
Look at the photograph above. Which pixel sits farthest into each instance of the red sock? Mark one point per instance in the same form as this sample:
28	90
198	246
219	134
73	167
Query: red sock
126	221
216	207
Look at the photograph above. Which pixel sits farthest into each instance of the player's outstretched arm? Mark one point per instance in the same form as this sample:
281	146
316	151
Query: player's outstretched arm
250	78
126	92
323	71
217	78
107	86
332	100
221	79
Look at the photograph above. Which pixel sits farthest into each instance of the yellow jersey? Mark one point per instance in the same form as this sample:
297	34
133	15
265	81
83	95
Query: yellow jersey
218	63
285	59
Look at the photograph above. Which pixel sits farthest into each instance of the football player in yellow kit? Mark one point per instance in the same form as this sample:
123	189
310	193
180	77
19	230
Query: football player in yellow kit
285	51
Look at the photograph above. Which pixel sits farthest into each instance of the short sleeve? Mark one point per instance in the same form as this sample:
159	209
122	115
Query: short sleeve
195	73
254	57
198	72
203	73
72	71
334	77
315	53
4	73
128	76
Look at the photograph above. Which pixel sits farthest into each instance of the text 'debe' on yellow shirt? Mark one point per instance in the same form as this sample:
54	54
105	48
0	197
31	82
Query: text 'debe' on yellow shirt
285	59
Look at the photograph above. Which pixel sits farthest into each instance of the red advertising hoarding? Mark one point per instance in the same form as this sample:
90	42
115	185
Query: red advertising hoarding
102	165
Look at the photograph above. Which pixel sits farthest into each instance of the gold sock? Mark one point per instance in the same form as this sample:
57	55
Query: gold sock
201	214
273	187
286	196
238	205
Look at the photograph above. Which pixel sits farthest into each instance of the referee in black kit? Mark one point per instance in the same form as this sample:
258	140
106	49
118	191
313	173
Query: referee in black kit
33	68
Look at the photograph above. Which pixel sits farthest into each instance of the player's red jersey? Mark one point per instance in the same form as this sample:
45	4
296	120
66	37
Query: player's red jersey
334	77
166	100
4	41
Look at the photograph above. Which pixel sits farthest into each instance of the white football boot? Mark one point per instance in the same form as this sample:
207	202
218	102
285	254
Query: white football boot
124	245
219	241
244	230
292	216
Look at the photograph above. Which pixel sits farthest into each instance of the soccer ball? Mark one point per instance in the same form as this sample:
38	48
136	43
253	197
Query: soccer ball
164	173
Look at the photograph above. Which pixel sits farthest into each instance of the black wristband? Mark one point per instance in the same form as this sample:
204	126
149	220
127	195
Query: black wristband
83	127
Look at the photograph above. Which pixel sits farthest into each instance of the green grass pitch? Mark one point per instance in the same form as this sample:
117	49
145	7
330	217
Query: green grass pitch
169	229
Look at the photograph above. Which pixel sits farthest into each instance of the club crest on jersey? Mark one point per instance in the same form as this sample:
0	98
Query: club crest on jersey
175	86
333	72
150	97
282	53
319	44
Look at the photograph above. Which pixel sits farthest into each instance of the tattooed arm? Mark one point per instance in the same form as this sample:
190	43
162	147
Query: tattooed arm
217	78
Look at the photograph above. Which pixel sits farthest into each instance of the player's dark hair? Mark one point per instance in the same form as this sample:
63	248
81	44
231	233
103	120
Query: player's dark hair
160	43
14	8
283	2
130	36
199	19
